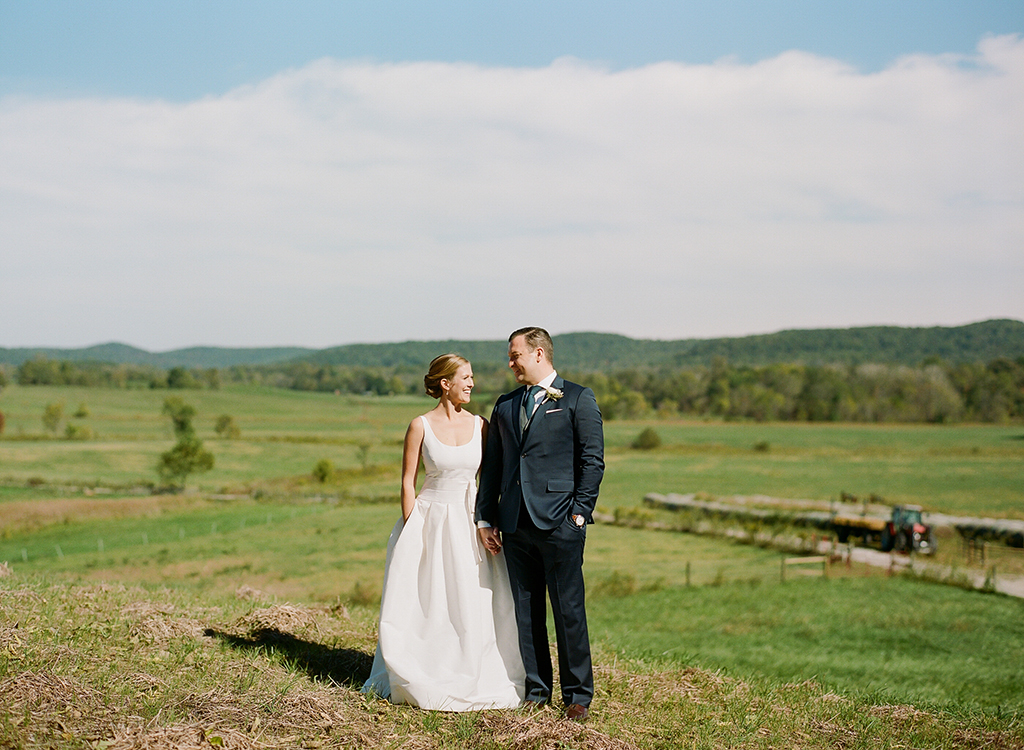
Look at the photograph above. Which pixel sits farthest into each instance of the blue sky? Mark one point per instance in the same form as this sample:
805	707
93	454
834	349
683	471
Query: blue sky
319	173
189	48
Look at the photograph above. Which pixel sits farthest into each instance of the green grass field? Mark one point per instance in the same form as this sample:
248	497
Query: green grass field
71	511
895	640
322	551
957	469
858	632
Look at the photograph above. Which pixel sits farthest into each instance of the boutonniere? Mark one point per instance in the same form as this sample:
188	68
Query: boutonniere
553	394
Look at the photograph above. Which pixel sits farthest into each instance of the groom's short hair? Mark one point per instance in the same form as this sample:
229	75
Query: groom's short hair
537	338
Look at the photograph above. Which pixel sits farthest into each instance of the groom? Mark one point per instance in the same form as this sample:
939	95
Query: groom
541	471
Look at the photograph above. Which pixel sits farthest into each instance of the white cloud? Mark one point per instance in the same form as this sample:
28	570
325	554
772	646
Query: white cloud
350	201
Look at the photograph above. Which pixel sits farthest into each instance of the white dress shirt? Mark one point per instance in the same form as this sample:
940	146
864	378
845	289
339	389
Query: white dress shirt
539	396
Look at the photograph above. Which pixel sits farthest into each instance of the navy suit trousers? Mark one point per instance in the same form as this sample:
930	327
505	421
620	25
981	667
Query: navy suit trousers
542	563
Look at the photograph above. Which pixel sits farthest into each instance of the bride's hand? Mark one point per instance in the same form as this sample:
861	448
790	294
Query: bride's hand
491	540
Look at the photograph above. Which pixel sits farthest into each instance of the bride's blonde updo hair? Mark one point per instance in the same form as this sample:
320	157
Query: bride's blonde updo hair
442	368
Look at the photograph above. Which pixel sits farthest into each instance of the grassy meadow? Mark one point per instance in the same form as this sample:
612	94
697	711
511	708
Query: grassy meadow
242	611
957	469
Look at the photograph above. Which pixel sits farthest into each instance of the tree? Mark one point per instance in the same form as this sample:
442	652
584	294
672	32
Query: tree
718	386
179	377
188	455
53	414
181	415
38	371
363	454
212	378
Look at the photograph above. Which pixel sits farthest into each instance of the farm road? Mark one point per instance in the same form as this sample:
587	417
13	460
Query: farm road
1009	585
876	558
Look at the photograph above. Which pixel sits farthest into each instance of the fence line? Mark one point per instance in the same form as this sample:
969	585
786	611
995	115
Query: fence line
822	560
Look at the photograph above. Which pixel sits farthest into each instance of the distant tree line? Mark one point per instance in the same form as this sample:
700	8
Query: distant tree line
935	392
42	371
306	376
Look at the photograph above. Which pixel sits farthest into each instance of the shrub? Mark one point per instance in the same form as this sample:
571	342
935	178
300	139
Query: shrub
637	517
647	440
362	595
363	454
226	427
74	432
82	412
617	585
53	414
323	470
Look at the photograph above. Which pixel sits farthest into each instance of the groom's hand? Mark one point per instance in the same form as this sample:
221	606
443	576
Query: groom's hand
491	540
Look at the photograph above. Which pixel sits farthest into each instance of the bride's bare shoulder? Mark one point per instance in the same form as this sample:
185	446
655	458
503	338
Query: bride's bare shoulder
416	426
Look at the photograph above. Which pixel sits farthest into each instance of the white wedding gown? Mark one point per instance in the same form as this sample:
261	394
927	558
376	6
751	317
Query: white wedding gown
447	638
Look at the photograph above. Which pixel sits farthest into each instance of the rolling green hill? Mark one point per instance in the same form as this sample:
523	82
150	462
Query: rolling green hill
977	342
198	356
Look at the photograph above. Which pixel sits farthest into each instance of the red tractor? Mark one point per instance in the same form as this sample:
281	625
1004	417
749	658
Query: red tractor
907	532
904	531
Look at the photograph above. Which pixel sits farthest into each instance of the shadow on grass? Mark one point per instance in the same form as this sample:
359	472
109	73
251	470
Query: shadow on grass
343	666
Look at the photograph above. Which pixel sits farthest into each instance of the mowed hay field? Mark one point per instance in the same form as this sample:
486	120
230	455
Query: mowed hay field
736	659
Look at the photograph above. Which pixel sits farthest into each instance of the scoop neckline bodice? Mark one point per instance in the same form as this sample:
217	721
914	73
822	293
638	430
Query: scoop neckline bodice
476	426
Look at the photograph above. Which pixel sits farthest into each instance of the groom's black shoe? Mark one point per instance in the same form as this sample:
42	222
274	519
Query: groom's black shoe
576	712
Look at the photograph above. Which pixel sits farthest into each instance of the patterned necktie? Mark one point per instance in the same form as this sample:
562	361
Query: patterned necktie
529	404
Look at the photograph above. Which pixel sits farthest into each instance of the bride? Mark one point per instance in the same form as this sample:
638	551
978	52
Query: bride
447	639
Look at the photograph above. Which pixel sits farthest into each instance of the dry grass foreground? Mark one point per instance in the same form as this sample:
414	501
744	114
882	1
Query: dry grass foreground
107	667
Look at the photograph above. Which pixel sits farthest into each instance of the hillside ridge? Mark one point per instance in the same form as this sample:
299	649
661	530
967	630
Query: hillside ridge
982	341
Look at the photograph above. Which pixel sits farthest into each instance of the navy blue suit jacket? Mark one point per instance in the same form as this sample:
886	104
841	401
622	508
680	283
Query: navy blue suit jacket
555	467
